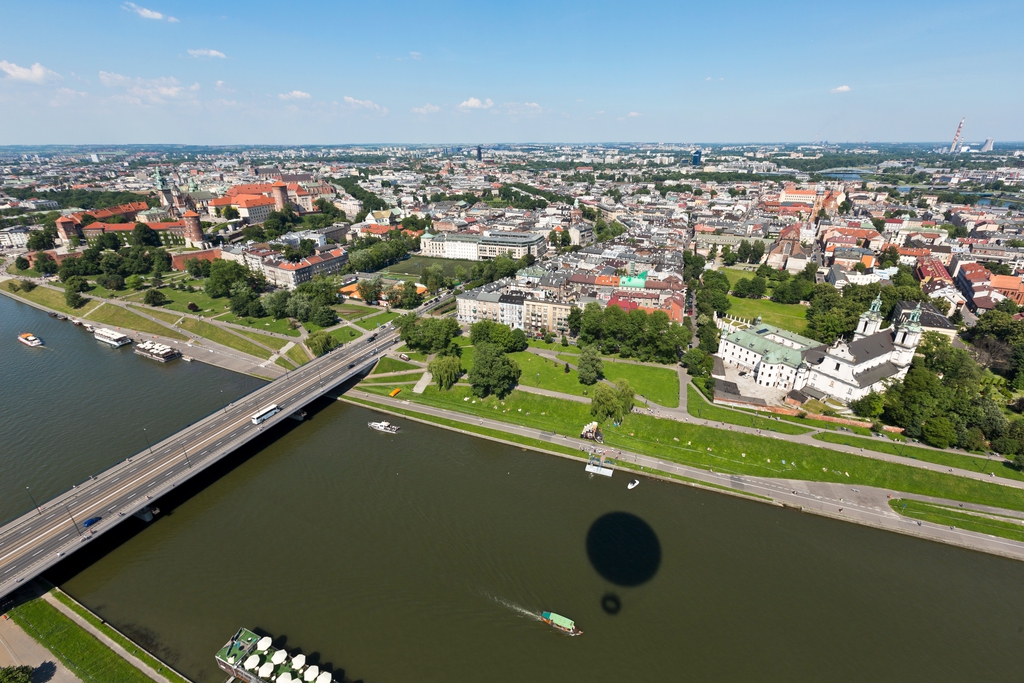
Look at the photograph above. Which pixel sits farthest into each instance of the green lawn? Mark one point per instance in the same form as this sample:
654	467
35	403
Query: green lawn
963	462
389	364
221	336
414	265
53	299
276	343
179	301
407	377
28	272
377	320
78	649
298	354
128	645
267	324
109	314
660	385
792	317
947	516
345	334
699	408
353	311
284	363
730	451
166	316
736	274
413	355
556	345
552	375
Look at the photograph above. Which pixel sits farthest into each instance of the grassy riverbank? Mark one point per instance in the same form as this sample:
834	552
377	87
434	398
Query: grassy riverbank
1004	527
110	314
51	299
699	408
79	650
222	336
722	450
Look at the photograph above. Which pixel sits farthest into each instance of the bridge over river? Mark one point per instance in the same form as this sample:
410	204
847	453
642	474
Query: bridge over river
39	539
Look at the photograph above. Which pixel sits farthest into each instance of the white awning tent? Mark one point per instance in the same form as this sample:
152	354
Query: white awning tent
286	677
298	661
252	662
311	673
265	670
264	643
324	677
279	657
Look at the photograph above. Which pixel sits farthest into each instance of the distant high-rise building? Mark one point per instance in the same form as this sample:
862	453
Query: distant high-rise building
989	144
479	154
696	158
95	158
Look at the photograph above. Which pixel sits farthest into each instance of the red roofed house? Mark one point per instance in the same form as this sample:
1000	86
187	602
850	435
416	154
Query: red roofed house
929	269
71	226
289	274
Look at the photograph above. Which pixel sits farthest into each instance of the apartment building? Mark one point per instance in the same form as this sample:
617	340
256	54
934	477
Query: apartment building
541	316
514	244
289	275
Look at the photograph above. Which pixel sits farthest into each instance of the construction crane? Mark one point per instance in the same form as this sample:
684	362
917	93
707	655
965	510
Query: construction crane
955	147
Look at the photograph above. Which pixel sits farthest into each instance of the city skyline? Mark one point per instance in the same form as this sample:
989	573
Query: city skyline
183	72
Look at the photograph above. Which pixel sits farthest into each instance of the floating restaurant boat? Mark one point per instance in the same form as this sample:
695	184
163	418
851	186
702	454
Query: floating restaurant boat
108	336
383	426
563	624
156	351
252	659
29	339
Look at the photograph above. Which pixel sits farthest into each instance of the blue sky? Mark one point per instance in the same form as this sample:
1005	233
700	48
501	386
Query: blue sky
171	71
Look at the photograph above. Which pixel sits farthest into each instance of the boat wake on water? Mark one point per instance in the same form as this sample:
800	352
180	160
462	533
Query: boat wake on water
514	607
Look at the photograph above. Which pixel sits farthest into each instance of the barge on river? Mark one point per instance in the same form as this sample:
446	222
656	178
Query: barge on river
251	658
156	351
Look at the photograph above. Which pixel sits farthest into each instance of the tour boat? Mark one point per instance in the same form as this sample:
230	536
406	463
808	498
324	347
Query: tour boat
29	339
383	426
563	624
633	484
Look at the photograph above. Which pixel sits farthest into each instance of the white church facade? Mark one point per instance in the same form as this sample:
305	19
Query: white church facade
844	370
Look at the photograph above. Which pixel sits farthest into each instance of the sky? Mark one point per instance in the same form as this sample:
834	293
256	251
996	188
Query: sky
404	71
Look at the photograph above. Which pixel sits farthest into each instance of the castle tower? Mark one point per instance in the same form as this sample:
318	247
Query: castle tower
907	337
166	199
279	191
193	230
871	321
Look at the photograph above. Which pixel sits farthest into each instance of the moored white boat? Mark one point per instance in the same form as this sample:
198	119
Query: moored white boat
383	426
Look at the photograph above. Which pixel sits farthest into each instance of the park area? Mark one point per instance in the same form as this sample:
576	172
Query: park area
792	317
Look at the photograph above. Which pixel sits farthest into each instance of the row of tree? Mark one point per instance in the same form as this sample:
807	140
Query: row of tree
637	334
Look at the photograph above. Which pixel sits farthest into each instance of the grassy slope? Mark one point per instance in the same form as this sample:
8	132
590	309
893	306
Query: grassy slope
344	334
298	354
792	317
265	339
730	451
660	385
221	336
55	300
109	314
377	320
696	406
166	316
266	324
964	462
78	649
388	364
940	514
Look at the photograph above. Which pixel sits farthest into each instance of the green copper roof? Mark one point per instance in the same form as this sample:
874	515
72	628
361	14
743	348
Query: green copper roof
757	339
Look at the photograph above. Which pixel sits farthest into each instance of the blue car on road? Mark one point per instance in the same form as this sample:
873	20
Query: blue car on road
89	522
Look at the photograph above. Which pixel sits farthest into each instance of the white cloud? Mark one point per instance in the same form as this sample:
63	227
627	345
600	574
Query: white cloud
842	88
294	95
427	108
147	13
204	52
365	104
416	55
708	78
474	103
599	112
521	108
147	91
65	96
633	114
37	73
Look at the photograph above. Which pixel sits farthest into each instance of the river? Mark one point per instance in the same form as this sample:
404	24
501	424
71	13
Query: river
428	555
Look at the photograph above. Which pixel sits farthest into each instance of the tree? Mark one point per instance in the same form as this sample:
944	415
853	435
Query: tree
45	264
605	404
230	213
42	239
370	290
76	283
698	363
135	281
625	393
590	367
321	315
223	275
154	297
21	263
574	320
870	406
939	432
889	258
111	281
144	236
16	674
446	371
320	342
73	299
493	372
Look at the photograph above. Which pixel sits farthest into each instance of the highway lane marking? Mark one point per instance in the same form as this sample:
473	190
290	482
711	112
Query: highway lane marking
153	473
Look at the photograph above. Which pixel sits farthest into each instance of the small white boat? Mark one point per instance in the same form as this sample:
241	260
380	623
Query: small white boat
383	426
29	339
633	484
187	359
